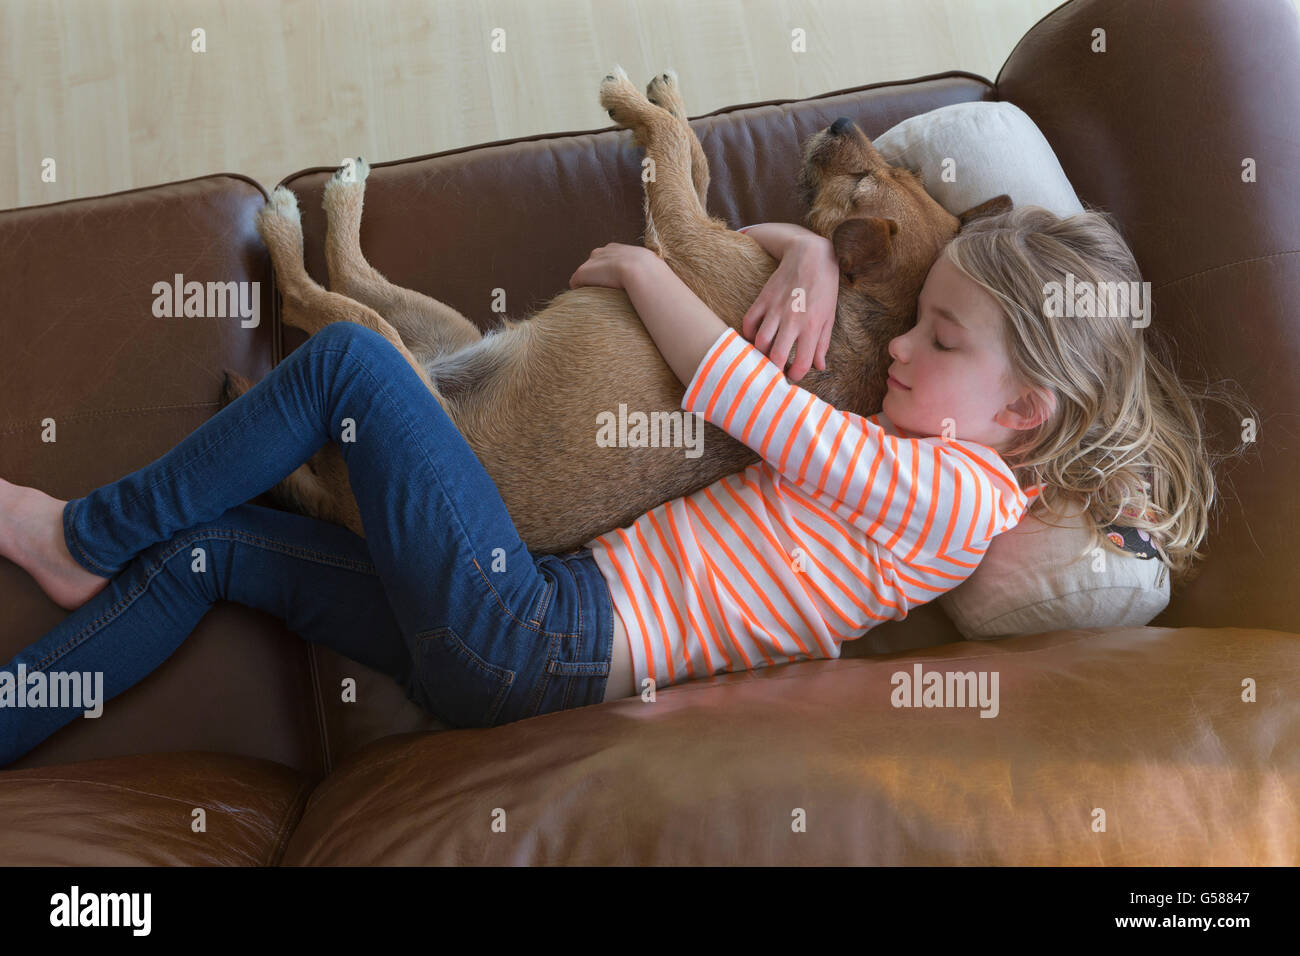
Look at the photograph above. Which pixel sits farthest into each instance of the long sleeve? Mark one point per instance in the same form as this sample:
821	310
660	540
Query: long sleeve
933	503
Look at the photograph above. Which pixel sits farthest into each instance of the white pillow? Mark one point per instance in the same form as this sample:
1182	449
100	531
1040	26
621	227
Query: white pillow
1035	577
985	149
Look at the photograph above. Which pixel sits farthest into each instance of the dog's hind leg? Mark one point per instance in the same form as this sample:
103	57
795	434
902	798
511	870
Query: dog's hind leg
320	488
305	304
428	327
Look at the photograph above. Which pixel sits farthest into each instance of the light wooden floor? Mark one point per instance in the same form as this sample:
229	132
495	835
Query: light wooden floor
111	91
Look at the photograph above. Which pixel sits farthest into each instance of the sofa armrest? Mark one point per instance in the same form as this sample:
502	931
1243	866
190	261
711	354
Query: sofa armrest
82	348
1156	130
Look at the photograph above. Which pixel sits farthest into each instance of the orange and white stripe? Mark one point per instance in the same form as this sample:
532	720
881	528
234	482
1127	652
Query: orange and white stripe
846	522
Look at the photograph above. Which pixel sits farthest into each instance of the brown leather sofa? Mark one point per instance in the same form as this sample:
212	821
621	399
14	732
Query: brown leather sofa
1147	724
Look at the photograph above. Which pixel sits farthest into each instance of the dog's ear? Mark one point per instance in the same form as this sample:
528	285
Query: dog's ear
993	207
861	244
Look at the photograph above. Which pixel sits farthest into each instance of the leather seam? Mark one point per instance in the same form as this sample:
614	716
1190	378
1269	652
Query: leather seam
1225	265
102	413
282	831
322	721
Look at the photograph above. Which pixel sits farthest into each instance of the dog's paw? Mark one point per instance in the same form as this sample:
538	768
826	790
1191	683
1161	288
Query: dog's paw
283	202
279	219
352	171
620	98
665	91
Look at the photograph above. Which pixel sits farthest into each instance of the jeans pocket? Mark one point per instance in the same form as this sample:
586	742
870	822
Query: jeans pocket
462	688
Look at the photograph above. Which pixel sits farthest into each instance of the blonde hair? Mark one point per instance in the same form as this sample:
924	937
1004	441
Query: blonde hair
1127	439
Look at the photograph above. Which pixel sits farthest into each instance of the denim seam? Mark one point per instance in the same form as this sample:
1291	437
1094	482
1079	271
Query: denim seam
586	681
570	682
321	557
596	698
543	681
113	610
596	684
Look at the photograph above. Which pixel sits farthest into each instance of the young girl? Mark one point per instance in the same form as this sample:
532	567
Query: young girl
844	523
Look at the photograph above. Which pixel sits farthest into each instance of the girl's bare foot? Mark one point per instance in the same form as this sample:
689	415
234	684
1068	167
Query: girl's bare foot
31	536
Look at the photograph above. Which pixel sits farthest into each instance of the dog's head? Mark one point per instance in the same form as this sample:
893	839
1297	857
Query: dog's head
886	229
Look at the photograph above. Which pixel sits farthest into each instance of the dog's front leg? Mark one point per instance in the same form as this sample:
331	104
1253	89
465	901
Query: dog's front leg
725	269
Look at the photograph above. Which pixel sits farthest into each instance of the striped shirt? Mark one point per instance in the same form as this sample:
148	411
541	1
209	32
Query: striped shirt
844	523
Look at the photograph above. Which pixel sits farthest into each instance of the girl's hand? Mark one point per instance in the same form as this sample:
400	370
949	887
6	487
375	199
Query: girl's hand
809	264
608	265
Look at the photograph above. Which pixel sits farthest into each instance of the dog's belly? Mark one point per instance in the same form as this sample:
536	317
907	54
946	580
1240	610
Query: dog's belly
578	420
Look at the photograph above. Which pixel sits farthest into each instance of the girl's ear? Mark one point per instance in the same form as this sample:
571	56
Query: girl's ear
1030	410
992	207
863	244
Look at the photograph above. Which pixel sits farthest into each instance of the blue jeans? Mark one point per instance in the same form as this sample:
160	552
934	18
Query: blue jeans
442	594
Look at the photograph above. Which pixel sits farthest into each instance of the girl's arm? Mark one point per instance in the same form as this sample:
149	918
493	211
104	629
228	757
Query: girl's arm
666	304
807	264
682	326
776	237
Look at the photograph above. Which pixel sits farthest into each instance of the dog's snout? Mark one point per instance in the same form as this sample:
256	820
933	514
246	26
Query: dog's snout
840	125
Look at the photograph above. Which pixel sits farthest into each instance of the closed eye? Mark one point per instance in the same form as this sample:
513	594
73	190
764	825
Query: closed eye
937	344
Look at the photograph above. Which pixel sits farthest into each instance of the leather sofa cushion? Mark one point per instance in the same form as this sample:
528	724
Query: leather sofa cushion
139	811
1080	726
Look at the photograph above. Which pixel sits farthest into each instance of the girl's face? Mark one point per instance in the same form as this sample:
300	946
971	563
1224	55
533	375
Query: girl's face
952	365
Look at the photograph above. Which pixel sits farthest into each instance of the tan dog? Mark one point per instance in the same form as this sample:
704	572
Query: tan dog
526	396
